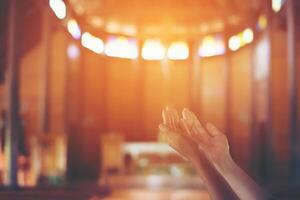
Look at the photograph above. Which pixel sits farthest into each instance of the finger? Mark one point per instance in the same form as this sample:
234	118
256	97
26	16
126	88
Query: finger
192	117
185	114
196	126
179	143
175	117
212	129
188	116
164	116
195	119
186	127
193	133
167	118
174	113
171	118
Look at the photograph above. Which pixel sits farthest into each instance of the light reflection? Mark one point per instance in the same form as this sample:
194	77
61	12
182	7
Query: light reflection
59	8
92	43
211	46
74	28
178	51
121	47
276	5
241	39
247	35
234	43
112	27
153	50
96	21
129	29
73	51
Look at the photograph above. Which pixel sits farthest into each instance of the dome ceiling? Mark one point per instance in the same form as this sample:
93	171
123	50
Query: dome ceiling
164	17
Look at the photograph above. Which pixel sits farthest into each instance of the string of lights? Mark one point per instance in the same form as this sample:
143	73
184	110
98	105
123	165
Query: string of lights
153	48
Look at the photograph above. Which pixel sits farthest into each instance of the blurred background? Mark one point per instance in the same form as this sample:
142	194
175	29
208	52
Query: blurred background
83	83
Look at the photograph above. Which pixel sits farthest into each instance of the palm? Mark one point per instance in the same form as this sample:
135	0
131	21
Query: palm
185	147
173	134
187	136
210	140
216	147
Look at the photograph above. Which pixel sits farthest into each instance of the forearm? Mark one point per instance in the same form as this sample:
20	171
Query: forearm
215	184
240	182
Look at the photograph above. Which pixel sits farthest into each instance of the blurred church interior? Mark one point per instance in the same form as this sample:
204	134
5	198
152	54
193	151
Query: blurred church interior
83	84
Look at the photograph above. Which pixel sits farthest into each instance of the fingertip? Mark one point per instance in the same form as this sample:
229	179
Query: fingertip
185	113
164	116
189	115
173	112
160	126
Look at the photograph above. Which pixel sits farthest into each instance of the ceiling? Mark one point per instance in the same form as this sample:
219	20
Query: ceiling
158	17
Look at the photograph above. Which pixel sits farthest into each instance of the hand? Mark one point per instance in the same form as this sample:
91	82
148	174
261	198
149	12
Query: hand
211	141
172	133
191	140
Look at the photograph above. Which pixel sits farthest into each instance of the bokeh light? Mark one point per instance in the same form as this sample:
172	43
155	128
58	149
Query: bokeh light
59	8
153	50
211	46
121	47
92	43
234	43
276	5
74	28
178	51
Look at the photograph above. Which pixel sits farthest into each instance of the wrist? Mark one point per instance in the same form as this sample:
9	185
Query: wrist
224	162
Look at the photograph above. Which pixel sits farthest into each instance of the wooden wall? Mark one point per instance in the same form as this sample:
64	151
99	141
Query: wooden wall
213	98
280	102
241	91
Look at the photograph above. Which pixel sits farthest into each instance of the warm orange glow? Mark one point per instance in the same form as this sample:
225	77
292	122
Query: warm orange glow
121	47
96	21
59	8
92	43
112	27
129	29
115	27
153	50
178	51
211	46
74	28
